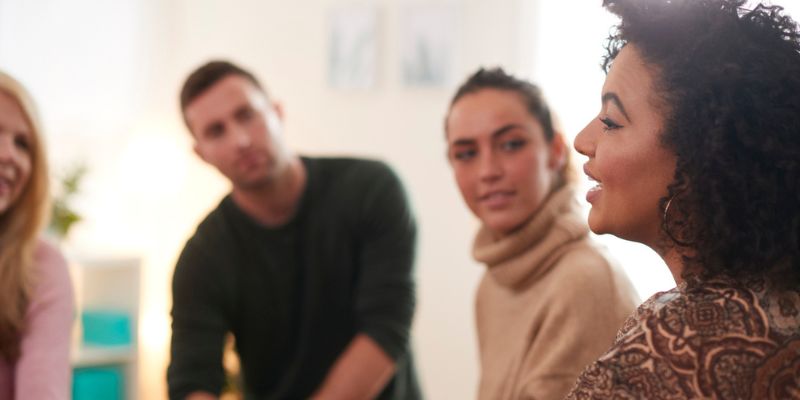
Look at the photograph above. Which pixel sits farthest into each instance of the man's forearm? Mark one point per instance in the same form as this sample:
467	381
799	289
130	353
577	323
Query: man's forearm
360	372
201	396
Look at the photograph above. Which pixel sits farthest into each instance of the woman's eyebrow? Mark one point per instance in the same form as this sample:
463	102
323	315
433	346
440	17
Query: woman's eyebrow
611	96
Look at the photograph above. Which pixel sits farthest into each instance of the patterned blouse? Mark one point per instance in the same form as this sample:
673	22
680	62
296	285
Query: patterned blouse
716	339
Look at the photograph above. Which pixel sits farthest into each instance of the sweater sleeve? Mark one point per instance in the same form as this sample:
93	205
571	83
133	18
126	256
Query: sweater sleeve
579	325
198	327
43	369
385	295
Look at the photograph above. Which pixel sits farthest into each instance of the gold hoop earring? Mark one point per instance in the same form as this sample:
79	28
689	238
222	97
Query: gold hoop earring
666	210
665	223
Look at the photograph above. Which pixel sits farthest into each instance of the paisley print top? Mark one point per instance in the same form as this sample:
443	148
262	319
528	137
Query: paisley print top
715	339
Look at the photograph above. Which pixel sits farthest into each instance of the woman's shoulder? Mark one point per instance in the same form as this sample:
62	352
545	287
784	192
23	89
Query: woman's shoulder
703	312
48	255
50	272
587	265
586	258
703	340
720	308
632	325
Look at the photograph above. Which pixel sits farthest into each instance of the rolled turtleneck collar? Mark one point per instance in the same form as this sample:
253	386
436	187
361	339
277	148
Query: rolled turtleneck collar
529	251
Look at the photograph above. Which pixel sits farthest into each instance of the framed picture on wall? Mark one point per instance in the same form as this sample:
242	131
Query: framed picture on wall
353	47
428	35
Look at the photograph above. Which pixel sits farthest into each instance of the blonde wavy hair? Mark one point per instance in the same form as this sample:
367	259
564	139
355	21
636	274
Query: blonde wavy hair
20	226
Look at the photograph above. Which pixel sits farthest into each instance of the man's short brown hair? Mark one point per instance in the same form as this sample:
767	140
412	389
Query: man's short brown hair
207	75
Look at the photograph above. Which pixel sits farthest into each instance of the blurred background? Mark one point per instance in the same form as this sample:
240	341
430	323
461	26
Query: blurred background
370	78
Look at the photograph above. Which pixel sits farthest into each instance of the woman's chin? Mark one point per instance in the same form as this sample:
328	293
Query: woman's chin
596	223
504	226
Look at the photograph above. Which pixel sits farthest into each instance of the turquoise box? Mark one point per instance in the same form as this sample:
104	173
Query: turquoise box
104	383
106	328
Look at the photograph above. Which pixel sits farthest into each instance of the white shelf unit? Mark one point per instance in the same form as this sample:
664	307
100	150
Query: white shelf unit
108	283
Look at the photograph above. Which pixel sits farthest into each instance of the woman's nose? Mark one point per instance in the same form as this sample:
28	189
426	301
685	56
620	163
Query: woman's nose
490	168
7	149
585	140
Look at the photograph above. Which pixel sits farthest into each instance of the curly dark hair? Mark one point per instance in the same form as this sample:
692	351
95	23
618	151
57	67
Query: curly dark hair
727	79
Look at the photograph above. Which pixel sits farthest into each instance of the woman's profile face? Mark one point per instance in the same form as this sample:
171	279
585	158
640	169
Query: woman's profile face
503	165
15	151
631	167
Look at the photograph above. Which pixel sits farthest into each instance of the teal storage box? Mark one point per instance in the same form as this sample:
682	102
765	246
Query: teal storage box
97	384
106	328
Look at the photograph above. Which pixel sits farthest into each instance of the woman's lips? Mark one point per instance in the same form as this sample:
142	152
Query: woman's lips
5	186
594	193
497	199
597	190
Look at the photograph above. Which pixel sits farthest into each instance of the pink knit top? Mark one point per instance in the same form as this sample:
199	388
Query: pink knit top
43	370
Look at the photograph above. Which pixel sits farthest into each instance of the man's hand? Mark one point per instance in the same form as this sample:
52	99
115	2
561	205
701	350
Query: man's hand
360	372
201	396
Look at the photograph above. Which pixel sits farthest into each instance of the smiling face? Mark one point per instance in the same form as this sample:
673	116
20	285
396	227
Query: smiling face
238	131
15	152
626	156
503	165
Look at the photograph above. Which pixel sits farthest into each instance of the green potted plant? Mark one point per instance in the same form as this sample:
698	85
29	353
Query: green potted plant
63	217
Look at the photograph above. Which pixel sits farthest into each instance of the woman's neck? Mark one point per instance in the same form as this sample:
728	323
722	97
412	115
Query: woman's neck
674	260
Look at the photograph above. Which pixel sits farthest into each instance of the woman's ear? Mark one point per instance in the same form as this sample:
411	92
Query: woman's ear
278	107
558	152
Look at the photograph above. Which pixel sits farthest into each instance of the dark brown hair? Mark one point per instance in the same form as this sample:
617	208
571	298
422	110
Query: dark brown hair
207	75
529	93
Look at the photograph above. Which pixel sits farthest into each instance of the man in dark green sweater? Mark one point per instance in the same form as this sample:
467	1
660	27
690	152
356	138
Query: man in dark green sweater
307	262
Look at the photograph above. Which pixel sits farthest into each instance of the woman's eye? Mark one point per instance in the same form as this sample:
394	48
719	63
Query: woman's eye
511	145
22	143
463	155
609	124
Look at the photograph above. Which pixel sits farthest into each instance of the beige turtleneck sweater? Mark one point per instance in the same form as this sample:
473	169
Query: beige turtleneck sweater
549	304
